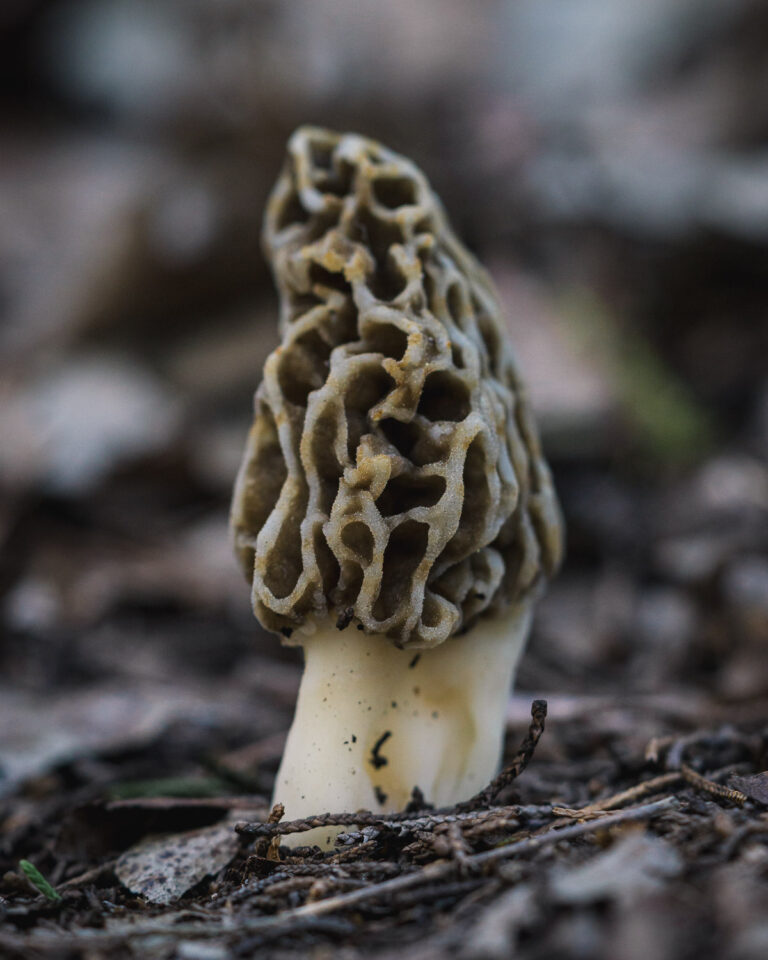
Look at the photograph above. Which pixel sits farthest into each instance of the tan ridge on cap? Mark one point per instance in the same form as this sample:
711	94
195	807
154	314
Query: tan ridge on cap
393	472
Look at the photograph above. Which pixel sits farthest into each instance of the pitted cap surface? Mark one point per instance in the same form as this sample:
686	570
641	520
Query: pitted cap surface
393	474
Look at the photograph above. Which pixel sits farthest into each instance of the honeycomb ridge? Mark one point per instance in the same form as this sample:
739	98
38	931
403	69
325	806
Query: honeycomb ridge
393	474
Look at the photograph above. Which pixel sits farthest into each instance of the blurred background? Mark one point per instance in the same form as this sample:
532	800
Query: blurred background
607	159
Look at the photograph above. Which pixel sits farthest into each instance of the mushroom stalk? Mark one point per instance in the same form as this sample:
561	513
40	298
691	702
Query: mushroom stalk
372	721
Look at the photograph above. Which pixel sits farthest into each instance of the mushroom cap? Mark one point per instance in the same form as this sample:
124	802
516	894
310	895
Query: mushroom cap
393	473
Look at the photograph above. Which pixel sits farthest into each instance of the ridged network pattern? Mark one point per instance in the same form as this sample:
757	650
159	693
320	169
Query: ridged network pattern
393	475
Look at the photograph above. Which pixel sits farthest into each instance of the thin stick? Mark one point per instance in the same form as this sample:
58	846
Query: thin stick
619	799
395	821
709	786
95	873
686	773
522	758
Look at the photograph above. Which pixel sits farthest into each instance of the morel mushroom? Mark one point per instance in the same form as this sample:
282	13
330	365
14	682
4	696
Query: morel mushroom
393	511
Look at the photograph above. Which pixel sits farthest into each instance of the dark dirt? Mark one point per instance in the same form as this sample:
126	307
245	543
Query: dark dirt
600	840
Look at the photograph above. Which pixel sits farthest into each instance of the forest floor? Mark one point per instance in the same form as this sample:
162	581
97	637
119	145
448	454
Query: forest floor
625	828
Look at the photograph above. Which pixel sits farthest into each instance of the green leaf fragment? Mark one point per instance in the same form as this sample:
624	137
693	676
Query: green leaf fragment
38	880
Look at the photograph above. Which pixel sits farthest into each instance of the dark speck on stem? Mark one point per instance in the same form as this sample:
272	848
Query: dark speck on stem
377	760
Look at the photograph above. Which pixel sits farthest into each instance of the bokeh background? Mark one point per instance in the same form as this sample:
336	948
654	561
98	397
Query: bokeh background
607	159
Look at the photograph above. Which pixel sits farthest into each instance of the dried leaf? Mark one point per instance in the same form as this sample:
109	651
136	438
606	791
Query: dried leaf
162	869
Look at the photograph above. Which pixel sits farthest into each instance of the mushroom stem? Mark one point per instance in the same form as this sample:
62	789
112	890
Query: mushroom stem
372	721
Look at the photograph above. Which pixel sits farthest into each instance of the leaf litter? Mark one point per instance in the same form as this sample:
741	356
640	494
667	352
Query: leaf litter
476	880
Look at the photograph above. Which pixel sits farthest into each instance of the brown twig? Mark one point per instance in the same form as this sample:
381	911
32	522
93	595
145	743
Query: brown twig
395	821
647	787
520	761
709	786
101	872
619	799
359	819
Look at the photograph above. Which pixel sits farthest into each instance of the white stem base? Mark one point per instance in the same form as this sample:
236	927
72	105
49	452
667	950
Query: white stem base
372	722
